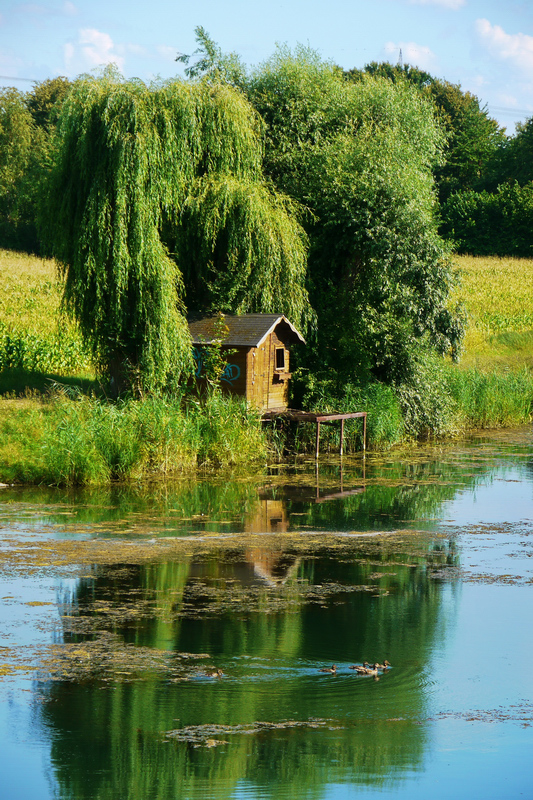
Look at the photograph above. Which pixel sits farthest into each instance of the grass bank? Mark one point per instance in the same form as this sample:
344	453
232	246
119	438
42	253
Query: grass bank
62	442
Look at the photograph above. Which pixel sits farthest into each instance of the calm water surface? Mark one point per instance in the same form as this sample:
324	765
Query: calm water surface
115	604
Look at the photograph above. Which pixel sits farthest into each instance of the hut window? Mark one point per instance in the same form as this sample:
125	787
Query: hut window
280	358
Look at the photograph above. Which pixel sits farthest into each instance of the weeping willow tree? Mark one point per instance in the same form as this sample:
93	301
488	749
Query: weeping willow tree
156	207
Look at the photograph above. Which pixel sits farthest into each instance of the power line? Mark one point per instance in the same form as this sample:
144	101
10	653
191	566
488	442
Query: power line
510	110
11	78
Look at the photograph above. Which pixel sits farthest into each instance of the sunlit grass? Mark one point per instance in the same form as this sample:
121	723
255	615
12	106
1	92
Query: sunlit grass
29	292
498	297
34	335
63	442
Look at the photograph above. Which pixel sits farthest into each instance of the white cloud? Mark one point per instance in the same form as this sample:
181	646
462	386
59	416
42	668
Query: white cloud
516	49
93	49
97	48
70	9
414	54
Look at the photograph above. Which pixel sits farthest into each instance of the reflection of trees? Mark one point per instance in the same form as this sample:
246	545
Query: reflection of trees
108	745
107	741
267	617
342	496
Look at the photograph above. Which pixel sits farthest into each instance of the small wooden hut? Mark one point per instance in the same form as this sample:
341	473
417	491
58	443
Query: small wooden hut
258	362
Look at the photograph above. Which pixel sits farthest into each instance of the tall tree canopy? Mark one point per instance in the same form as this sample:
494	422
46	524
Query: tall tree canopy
514	160
22	153
157	204
472	137
360	157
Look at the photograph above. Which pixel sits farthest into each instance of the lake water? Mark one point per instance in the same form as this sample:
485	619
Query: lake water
116	605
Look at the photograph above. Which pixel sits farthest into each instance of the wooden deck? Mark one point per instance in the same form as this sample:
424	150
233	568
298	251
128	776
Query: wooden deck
318	419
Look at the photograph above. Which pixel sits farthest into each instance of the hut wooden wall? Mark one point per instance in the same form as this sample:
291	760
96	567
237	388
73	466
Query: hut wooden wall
265	388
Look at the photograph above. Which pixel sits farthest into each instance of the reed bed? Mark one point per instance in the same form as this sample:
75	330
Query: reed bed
63	442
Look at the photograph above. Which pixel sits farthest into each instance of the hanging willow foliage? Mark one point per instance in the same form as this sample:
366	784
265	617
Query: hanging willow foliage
156	191
254	249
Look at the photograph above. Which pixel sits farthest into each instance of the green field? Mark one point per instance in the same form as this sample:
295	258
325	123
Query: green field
498	296
35	338
496	292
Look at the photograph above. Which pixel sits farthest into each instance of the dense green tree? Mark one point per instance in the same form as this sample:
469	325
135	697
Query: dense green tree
45	99
156	197
360	157
514	159
491	223
21	154
473	137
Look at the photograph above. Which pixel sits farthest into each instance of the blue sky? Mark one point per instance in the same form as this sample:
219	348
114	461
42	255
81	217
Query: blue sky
485	45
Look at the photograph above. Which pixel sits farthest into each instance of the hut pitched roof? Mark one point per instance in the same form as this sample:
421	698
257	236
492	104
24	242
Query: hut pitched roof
247	330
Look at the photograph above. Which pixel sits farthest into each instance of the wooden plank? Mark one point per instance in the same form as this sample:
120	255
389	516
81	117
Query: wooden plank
319	419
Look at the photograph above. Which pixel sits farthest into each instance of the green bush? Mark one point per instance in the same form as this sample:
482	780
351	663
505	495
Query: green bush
483	223
385	425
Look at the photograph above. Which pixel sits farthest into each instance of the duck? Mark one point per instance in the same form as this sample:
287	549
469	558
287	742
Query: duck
367	670
385	665
216	674
361	669
332	670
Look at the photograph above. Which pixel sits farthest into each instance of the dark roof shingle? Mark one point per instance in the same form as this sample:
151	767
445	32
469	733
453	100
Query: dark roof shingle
247	330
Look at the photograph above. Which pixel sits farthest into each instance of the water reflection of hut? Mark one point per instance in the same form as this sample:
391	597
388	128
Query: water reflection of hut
270	516
273	567
258	362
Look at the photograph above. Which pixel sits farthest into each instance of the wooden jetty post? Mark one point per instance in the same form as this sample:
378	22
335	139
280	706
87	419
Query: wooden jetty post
319	419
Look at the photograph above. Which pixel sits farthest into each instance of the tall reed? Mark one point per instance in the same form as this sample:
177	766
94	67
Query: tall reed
89	441
490	400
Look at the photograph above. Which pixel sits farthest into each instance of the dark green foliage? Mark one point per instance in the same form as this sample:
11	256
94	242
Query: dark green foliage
157	191
473	139
21	155
514	159
359	156
499	223
45	100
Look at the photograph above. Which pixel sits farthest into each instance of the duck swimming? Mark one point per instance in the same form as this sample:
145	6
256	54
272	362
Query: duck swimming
385	665
332	669
361	669
216	674
366	669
